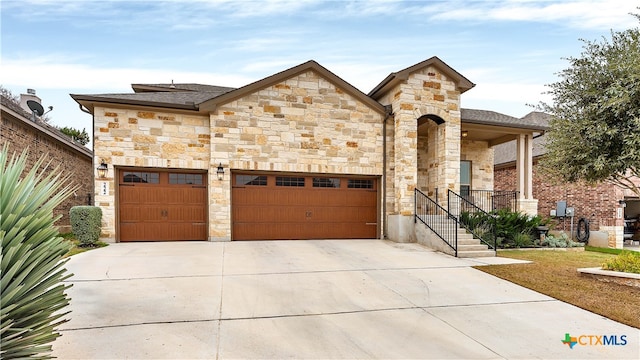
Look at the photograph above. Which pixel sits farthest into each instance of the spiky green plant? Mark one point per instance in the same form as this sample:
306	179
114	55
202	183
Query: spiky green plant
32	292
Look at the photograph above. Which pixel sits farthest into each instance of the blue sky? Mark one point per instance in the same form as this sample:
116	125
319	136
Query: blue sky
509	49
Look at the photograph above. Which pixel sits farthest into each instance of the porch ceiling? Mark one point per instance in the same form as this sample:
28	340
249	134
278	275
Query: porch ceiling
492	134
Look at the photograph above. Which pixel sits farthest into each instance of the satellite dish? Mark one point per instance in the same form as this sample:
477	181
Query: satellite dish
35	107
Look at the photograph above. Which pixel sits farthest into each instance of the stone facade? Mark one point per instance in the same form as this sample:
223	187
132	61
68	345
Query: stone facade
126	138
432	160
20	132
481	157
305	124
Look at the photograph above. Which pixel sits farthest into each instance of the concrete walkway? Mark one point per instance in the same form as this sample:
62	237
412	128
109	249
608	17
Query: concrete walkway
342	299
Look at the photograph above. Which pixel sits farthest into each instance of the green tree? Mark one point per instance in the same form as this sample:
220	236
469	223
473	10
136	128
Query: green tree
32	292
80	136
595	125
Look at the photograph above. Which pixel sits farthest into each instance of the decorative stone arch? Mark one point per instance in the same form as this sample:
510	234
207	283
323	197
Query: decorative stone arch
435	118
438	115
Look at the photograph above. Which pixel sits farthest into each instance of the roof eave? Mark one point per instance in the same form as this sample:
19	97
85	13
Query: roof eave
515	126
59	137
87	101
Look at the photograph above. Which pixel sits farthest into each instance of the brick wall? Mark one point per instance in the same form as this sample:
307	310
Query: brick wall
597	203
20	136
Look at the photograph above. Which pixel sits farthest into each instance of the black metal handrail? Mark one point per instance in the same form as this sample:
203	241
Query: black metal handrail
490	200
482	227
436	218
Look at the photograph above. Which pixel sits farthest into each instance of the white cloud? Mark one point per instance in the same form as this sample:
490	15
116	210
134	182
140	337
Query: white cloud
596	14
66	75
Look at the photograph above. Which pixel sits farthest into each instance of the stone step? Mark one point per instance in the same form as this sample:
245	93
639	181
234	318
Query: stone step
478	253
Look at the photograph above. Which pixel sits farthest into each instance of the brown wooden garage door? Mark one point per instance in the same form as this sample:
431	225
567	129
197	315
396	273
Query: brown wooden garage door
162	206
269	207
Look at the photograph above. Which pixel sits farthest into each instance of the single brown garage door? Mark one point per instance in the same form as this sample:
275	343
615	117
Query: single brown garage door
270	207
162	206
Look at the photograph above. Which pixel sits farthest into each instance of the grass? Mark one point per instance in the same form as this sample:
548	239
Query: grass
604	250
77	247
554	273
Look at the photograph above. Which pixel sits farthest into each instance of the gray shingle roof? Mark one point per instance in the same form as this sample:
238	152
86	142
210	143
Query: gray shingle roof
167	98
534	120
506	153
186	87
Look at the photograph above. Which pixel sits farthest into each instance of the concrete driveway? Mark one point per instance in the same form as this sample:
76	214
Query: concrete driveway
325	299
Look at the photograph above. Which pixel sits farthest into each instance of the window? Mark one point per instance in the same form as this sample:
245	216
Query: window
465	178
141	177
289	181
252	180
192	179
326	182
360	184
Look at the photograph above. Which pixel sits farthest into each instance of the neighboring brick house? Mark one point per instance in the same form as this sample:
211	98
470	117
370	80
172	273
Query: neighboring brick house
301	154
20	131
604	205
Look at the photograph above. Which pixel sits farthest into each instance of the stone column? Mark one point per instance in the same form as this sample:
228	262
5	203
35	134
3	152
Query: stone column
524	170
400	224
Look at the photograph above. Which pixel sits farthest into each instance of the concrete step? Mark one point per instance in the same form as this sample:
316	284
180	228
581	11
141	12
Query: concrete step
464	236
478	253
476	247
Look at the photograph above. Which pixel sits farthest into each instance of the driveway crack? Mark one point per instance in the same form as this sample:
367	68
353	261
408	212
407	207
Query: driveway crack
224	246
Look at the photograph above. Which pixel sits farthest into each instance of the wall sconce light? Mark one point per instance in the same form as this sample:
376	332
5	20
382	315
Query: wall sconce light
220	172
622	203
464	133
102	170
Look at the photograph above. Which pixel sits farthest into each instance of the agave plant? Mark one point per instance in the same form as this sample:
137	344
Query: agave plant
32	292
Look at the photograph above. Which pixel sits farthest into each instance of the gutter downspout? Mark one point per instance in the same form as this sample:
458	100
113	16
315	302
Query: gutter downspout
84	110
388	114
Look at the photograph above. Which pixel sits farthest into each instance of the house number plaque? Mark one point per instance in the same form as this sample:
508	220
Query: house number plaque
104	188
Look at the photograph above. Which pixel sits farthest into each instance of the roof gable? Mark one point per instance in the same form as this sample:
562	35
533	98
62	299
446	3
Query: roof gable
462	83
211	104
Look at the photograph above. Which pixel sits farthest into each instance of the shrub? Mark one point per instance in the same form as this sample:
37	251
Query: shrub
32	295
510	228
522	240
627	261
86	222
562	241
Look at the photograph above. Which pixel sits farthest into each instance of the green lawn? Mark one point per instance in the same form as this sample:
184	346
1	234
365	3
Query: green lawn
554	273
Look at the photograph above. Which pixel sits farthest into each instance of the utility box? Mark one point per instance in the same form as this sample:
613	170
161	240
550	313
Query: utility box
570	212
561	208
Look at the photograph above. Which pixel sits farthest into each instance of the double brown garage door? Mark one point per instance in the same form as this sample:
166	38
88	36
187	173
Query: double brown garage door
269	207
168	206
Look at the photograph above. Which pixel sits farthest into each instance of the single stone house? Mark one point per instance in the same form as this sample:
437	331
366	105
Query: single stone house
301	154
20	130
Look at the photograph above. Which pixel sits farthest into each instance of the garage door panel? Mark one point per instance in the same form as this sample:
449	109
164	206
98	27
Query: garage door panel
161	211
270	212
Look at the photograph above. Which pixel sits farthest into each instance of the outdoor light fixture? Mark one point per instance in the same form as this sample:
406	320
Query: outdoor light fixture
102	170
622	203
465	133
220	172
